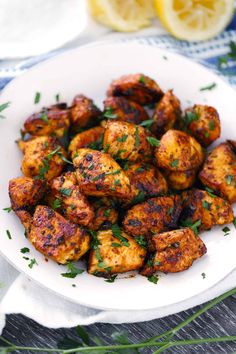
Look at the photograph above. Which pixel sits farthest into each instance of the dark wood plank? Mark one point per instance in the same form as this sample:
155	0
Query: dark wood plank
221	320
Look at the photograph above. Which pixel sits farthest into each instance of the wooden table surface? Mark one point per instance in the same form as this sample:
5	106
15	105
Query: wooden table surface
219	321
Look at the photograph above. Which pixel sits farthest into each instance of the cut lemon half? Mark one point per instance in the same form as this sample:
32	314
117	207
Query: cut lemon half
194	19
123	15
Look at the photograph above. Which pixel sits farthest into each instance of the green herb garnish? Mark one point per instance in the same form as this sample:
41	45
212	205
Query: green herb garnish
193	225
4	106
65	191
57	97
8	209
203	275
206	205
37	97
153	279
229	179
109	113
32	263
190	117
116	245
142	79
111	279
174	163
44	117
208	87
141	241
8	234
210	192
211	125
147	123
73	271
153	141
117	233
226	230
137	140
122	139
25	250
56	204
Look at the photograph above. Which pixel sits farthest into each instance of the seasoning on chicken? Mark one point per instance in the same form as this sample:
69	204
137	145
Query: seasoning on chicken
203	123
178	151
147	179
180	180
57	238
43	157
112	255
91	138
200	205
166	113
126	141
153	216
136	87
70	201
175	251
105	214
84	113
119	108
219	171
99	175
54	120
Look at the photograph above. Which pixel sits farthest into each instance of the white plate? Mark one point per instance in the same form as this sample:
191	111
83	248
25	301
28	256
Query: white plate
89	70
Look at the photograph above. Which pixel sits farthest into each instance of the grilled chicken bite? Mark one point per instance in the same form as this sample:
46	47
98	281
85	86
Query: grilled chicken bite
126	141
153	216
166	113
203	123
111	256
25	192
219	171
91	138
57	238
179	151
200	205
180	180
175	251
54	120
70	201
136	87
105	214
99	175
120	108
147	179
84	113
42	157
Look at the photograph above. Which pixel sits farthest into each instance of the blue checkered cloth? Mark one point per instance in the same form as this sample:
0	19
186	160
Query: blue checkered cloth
208	53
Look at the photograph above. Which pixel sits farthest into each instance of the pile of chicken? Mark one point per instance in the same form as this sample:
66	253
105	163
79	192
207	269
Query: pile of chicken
131	184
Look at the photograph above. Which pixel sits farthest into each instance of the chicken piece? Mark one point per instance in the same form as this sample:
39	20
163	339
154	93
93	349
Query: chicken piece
175	251
99	175
136	87
203	123
105	214
147	179
178	151
70	201
180	180
24	192
84	113
54	120
91	138
153	216
43	157
166	113
113	256
219	171
57	238
120	108
126	141
200	205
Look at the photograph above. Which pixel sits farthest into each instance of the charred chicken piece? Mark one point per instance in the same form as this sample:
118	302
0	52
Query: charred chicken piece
91	138
105	214
180	180
84	113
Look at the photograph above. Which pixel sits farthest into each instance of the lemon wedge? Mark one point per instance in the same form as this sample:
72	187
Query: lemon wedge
123	15
194	19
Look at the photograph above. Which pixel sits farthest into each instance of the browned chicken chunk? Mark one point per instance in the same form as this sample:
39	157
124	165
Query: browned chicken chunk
180	180
42	157
200	205
153	216
70	201
25	192
57	238
219	171
175	251
91	138
147	179
126	141
105	214
84	113
179	151
203	123
99	175
120	108
136	87
112	256
54	120
166	113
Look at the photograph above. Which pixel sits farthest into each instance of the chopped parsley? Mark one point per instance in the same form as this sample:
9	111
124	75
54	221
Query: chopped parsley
107	213
190	117
140	169
147	123
106	148
139	198
111	279
50	155
95	243
153	279
170	211
203	275
153	141
109	113
209	87
115	244
3	107
137	140
65	191
8	234
117	182
44	117
37	97
73	271
157	263
206	205
231	55
210	192
193	225
56	204
57	97
8	209
32	263
226	230
211	125
141	241
229	179
142	79
64	158
122	139
25	250
117	233
174	163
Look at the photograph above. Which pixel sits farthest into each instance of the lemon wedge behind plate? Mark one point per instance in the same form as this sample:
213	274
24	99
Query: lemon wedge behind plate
123	15
194	19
